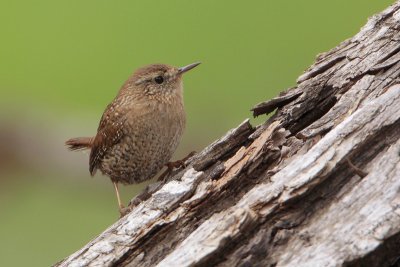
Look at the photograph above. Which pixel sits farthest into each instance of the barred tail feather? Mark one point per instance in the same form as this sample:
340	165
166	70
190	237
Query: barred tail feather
79	143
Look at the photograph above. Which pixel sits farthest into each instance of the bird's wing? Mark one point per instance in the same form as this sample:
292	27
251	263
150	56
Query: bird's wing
109	133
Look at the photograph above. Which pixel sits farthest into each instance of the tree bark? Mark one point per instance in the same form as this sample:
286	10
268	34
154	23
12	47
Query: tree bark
317	184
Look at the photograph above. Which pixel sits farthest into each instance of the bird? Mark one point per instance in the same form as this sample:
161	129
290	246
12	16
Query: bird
140	129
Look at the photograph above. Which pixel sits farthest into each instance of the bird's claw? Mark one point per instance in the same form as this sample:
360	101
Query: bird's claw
175	165
124	210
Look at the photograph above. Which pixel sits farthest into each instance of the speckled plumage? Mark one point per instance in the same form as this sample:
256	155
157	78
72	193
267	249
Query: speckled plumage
146	135
141	128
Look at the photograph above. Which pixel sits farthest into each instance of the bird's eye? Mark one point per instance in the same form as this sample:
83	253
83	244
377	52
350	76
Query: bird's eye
159	79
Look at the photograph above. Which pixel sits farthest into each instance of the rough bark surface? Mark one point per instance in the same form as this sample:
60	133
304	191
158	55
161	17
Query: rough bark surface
318	184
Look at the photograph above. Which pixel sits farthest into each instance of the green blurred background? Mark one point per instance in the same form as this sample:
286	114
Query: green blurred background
62	62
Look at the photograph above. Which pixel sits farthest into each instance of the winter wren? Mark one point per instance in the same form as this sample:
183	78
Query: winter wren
140	129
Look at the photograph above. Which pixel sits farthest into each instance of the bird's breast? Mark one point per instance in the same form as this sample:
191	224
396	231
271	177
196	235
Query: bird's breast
149	140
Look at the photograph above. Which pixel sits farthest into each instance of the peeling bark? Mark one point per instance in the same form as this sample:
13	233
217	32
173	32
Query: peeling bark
317	184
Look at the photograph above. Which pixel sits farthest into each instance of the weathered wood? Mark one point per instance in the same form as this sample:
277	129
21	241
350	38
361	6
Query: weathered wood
318	184
276	102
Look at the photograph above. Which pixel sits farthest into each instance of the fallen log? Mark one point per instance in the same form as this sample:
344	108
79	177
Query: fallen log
317	184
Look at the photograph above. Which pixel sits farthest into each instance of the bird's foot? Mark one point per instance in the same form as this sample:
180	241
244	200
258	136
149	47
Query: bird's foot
180	163
124	210
175	165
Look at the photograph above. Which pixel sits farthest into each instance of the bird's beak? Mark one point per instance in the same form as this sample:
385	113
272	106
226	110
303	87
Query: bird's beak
184	69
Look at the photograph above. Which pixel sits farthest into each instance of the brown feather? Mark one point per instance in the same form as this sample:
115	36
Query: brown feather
79	143
108	134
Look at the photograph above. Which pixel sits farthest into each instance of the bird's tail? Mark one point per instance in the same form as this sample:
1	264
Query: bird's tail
79	143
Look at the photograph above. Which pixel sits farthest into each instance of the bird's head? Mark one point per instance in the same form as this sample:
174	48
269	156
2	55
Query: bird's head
157	81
